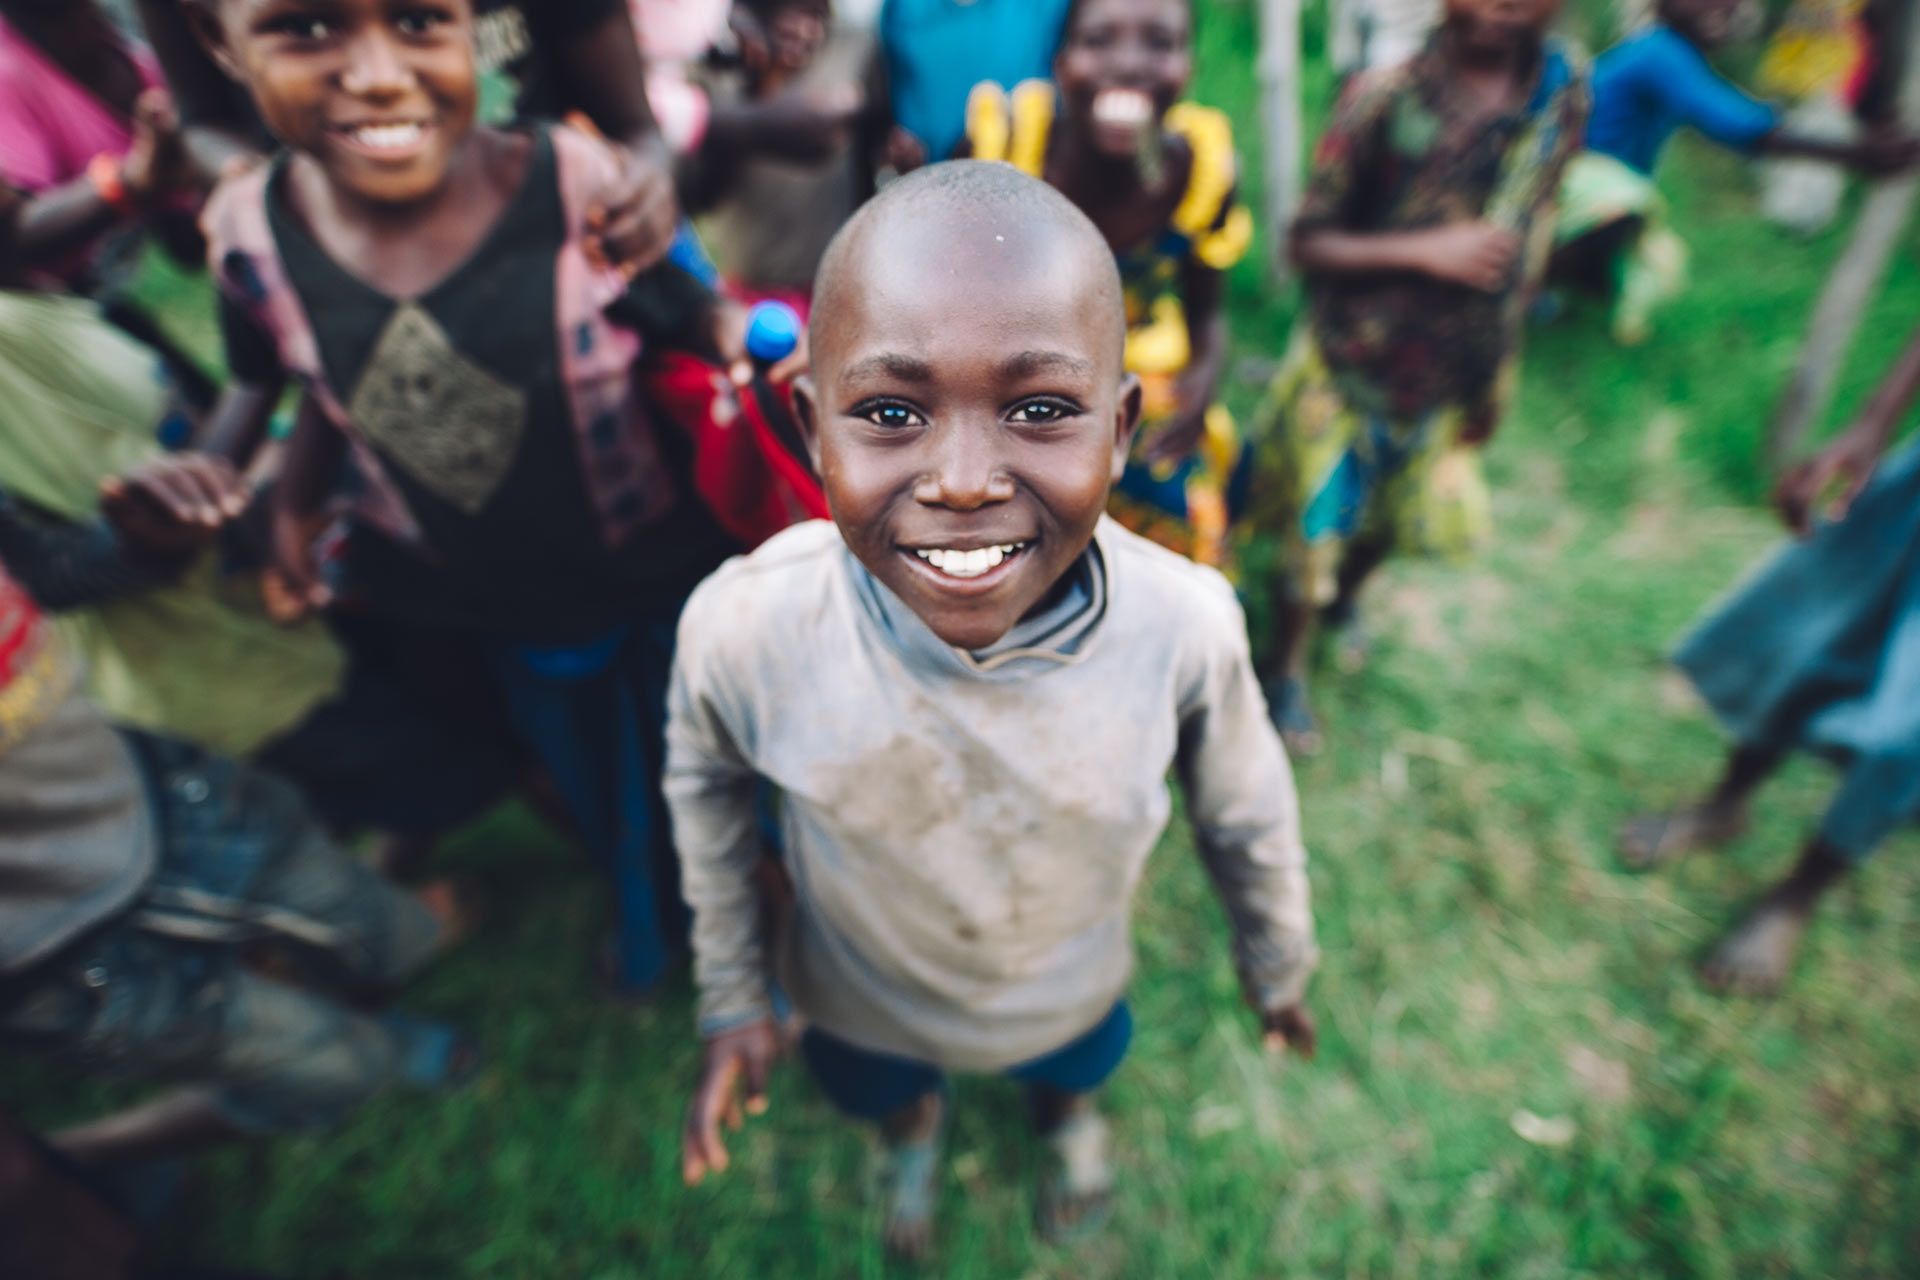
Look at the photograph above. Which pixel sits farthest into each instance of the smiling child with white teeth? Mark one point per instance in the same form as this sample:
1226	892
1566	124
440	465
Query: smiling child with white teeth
968	690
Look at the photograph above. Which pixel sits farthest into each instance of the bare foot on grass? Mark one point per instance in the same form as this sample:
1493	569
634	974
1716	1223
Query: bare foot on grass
1755	958
1654	839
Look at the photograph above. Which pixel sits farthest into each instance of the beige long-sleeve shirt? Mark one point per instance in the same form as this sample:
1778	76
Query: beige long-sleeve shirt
965	832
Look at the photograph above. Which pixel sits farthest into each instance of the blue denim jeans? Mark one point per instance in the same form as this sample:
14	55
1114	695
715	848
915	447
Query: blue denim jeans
159	993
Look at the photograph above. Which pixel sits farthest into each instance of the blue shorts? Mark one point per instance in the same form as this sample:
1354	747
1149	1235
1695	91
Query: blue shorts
871	1086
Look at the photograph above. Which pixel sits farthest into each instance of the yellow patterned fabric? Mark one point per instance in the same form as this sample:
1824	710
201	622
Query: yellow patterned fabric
1333	475
1185	506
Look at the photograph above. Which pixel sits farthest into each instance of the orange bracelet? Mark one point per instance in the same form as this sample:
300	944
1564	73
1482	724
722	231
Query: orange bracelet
103	171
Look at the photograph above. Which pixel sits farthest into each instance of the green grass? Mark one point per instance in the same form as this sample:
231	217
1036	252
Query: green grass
1484	952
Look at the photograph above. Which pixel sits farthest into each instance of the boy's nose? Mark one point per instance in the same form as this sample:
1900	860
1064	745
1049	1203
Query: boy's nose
967	474
376	67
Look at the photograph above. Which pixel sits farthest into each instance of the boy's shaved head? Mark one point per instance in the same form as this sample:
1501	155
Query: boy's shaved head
969	405
943	207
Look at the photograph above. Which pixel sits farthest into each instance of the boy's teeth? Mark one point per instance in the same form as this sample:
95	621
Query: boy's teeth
968	564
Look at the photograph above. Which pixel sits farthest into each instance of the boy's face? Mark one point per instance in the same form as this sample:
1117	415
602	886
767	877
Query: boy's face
968	411
1499	26
380	92
1121	65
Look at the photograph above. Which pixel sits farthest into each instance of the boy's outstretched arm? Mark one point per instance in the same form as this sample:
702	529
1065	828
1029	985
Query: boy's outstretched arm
710	790
1246	822
1843	468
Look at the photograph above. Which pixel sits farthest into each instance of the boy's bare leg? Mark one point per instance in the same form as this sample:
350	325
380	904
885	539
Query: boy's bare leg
1650	839
1755	957
1077	1199
914	1137
173	1124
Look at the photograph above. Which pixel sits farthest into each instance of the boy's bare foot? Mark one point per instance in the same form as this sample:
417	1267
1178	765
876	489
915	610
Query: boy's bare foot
1652	839
1754	959
1076	1200
915	1137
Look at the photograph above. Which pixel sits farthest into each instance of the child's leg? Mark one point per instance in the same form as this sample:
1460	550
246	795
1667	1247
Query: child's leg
1285	681
243	857
1755	957
908	1101
259	1056
1649	840
1342	617
1077	1198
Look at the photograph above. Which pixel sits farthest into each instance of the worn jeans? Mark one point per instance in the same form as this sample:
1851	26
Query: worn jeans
160	993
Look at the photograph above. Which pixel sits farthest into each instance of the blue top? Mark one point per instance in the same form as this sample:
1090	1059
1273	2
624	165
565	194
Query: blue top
1650	84
937	50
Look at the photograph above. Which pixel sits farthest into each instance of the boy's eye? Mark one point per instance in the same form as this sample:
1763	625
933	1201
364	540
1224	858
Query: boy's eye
1040	413
420	21
893	417
301	26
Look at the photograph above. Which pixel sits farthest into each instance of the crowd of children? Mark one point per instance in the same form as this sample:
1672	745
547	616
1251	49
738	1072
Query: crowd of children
465	519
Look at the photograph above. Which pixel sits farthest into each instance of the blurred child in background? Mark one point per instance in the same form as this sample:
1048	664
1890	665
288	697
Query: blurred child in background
429	283
1158	177
1422	229
792	150
1612	238
938	50
1819	652
968	691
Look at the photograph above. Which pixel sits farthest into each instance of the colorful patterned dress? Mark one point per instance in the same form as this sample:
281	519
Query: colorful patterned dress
1370	429
1187	505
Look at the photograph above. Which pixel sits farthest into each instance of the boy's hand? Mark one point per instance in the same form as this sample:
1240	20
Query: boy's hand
1841	469
173	504
1184	431
730	321
903	151
633	225
291	587
157	164
1476	254
746	1051
1289	1027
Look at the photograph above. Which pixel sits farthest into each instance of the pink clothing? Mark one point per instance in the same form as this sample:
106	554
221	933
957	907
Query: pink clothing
675	34
50	124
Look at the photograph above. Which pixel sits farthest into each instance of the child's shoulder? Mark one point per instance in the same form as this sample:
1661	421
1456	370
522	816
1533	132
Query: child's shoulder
1164	589
774	585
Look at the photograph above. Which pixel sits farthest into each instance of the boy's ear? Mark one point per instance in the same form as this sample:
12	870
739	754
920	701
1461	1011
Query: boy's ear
1126	421
806	410
204	18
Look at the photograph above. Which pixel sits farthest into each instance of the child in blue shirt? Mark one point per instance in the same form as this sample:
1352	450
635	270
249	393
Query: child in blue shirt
1610	238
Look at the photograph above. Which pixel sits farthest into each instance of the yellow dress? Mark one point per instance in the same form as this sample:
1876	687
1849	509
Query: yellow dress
1189	505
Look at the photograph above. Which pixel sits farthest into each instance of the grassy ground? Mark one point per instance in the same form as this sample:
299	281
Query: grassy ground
1485	953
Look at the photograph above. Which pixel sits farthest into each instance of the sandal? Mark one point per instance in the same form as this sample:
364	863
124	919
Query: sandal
1076	1200
912	1185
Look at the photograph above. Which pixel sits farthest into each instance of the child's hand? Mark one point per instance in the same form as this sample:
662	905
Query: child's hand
730	324
173	504
632	226
1193	395
746	1051
1841	469
157	165
903	152
1476	254
1289	1027
291	587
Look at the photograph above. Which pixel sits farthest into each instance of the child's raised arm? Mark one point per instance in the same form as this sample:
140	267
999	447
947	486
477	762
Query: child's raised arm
710	788
315	451
1246	821
1325	240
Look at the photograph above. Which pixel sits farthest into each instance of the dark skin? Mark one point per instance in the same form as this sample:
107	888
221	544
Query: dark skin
1882	153
601	67
57	223
1756	957
967	393
1138	49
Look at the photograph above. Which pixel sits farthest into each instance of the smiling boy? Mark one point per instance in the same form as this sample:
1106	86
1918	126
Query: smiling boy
968	689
